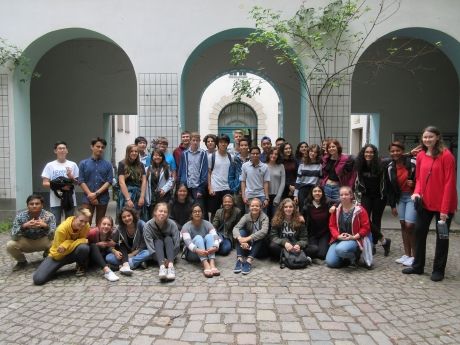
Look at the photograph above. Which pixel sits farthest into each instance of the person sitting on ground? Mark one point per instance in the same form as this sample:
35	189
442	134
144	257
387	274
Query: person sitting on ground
163	240
288	231
316	213
69	245
180	207
33	230
224	221
130	250
349	225
100	243
250	233
201	242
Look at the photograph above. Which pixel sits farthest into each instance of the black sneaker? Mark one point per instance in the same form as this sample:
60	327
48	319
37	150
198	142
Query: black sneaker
386	247
20	265
411	270
437	276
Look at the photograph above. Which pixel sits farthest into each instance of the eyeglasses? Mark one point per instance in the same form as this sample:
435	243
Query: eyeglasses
196	211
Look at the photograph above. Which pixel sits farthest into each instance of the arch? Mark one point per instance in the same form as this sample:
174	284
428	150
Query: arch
210	60
22	100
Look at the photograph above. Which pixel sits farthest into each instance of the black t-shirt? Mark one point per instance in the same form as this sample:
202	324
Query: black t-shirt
133	177
330	169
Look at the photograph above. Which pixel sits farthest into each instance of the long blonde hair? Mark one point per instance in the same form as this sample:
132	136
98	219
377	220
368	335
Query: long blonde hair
279	217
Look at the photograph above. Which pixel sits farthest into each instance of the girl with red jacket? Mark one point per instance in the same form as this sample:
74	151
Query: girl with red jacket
349	224
437	187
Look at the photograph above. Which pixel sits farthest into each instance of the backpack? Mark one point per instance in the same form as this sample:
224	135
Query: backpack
294	260
213	159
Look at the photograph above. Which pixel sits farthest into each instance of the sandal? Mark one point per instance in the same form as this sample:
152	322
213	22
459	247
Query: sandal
215	271
208	273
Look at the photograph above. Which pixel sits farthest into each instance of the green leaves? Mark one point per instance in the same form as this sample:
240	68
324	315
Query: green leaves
12	57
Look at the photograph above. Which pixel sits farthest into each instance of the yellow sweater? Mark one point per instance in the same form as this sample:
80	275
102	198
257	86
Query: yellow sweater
67	238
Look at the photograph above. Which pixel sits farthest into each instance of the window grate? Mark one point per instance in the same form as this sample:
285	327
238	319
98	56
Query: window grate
5	157
159	107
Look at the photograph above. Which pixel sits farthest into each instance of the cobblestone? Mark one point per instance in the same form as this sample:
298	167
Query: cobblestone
269	306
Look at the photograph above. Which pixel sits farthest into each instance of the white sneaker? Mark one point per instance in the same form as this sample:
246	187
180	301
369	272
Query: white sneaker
409	261
126	270
110	276
163	272
402	259
171	273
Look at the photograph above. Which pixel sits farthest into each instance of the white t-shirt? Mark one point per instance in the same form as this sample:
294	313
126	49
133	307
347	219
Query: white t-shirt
55	169
219	175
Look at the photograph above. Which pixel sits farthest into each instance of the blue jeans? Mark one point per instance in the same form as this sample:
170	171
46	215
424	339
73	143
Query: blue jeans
201	243
57	212
340	250
406	209
332	191
254	245
225	246
134	261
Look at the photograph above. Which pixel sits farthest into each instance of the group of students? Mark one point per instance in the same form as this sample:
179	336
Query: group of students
316	200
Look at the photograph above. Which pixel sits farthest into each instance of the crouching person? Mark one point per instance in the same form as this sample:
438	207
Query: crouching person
33	230
250	233
69	245
162	238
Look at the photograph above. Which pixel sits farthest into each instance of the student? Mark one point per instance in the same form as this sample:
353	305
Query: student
279	141
337	170
308	174
183	146
289	232
144	156
180	207
290	168
60	176
163	241
33	230
234	179
220	163
162	143
348	224
371	192
100	243
400	181
266	144
224	221
250	233
255	179
277	181
202	243
132	181
210	141
130	250
436	187
96	176
193	170
316	213
69	245
234	148
160	181
301	151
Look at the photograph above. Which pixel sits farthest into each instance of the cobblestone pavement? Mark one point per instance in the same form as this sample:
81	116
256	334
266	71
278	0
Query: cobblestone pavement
269	306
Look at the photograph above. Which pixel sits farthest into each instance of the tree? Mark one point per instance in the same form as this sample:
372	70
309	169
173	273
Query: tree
13	58
324	45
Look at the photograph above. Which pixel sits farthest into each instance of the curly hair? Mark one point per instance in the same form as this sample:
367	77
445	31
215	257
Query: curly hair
279	216
360	161
298	154
314	147
130	210
281	151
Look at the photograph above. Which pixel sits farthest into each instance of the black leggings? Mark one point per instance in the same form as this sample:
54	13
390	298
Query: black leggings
49	266
322	243
374	207
97	255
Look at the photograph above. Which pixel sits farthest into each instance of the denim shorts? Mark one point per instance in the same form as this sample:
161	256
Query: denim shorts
406	209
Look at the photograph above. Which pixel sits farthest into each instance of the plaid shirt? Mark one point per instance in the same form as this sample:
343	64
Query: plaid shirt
23	217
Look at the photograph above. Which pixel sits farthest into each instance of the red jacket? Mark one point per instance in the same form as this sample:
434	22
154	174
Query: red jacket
360	224
439	190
